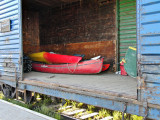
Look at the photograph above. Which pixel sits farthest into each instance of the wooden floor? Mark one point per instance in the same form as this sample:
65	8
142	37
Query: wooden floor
107	83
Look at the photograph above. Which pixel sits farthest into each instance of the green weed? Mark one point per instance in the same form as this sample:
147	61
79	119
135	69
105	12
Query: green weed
43	105
135	117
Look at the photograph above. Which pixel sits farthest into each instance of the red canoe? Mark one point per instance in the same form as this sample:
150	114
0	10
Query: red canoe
105	67
85	67
58	58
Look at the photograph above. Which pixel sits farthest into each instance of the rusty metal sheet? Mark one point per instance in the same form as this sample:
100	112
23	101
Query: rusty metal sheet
151	93
109	102
151	78
10	39
148	34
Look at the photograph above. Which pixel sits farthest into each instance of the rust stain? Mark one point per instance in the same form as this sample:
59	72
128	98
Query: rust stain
7	40
8	63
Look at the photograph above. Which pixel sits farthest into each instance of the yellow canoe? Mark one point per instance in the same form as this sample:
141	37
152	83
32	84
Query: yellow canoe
49	58
39	57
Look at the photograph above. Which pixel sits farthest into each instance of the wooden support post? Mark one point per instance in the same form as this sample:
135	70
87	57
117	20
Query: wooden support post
16	93
80	3
25	96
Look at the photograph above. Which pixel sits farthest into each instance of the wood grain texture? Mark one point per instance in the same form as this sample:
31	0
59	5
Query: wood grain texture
103	83
48	3
31	40
75	23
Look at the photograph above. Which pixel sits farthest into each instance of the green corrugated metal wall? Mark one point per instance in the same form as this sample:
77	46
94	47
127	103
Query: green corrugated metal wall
127	25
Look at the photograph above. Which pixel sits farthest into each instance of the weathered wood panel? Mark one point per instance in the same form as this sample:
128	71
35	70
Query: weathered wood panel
74	24
106	84
31	40
48	3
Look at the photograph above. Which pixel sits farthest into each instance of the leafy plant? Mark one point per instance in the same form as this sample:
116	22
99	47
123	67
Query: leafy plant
1	96
77	115
117	115
135	117
80	105
68	101
103	113
90	107
73	104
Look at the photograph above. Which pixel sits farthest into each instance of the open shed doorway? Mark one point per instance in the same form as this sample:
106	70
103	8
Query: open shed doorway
76	27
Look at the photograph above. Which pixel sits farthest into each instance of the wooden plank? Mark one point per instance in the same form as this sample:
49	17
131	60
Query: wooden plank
107	118
88	116
73	112
108	84
30	32
63	108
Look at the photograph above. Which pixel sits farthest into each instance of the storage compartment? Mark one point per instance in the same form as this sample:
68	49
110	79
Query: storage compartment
85	27
76	27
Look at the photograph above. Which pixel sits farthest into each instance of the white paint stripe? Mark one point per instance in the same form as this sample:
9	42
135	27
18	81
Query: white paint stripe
74	112
63	108
30	111
107	118
89	115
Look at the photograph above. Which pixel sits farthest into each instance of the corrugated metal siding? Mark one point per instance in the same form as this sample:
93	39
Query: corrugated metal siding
127	25
148	19
10	42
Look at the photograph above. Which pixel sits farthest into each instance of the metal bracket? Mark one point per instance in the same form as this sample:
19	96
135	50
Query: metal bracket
124	111
145	118
15	77
21	60
145	105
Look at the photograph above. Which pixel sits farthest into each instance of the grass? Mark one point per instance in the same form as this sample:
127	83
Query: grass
44	104
102	112
41	106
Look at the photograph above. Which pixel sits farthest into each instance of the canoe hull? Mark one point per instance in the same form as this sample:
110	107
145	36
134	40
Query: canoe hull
58	58
86	67
105	67
49	58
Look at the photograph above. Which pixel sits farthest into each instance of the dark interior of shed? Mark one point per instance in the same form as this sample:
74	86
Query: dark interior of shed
71	27
76	27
